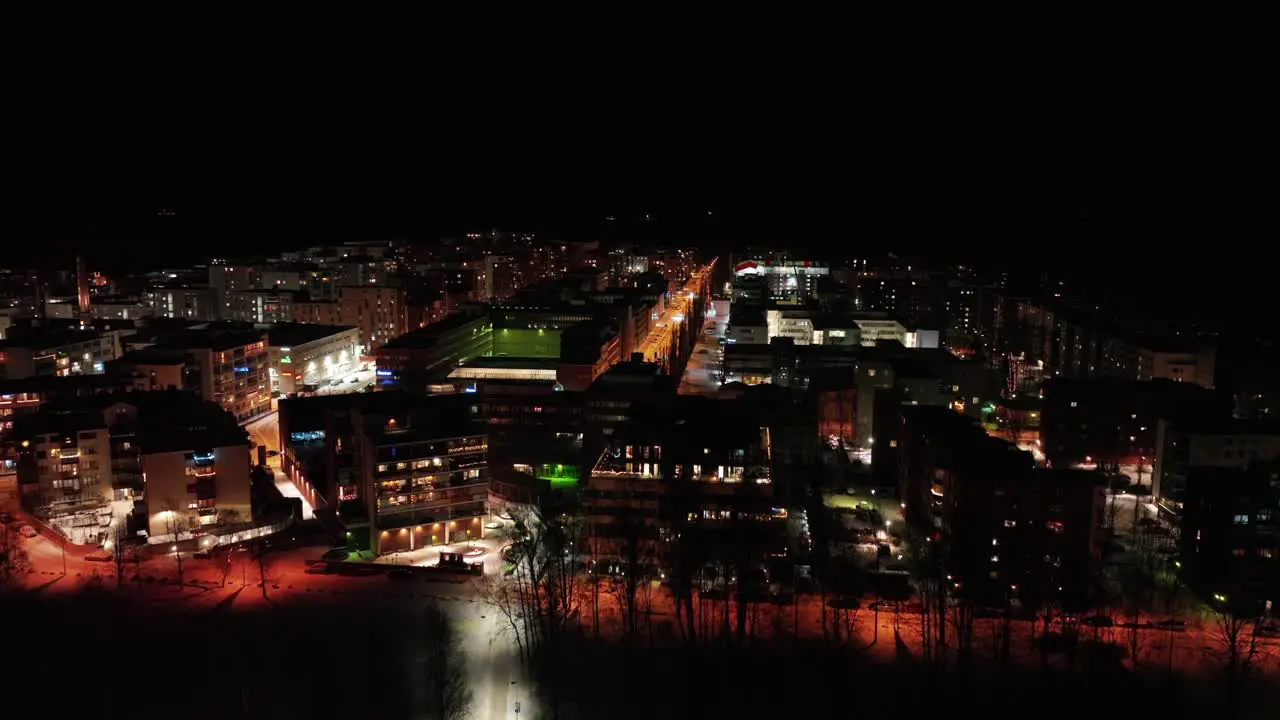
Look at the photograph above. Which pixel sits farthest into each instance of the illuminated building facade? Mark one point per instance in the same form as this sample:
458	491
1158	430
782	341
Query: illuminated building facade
379	311
303	355
35	352
780	280
233	367
162	461
696	465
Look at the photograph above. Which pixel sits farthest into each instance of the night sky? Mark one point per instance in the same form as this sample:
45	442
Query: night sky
1122	149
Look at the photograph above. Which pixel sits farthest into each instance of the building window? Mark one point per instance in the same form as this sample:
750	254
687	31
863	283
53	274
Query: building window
1241	519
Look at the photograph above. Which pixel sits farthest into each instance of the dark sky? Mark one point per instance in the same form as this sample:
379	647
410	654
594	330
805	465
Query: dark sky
1119	146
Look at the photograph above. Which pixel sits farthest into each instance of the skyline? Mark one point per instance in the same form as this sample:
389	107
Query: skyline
1086	145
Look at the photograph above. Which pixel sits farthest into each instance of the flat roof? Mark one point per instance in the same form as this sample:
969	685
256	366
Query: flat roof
426	337
153	356
46	338
210	339
507	368
289	334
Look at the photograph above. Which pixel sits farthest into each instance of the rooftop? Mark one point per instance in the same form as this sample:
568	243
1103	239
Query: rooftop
45	338
507	368
291	334
69	383
426	337
153	356
162	421
209	339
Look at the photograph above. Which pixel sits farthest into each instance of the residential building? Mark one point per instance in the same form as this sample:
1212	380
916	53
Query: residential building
1230	536
413	472
1206	444
380	311
318	312
184	301
259	306
29	351
1108	421
998	529
165	462
233	367
694	465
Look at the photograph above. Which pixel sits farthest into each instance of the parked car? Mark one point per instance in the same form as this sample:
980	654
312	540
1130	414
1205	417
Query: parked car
1172	625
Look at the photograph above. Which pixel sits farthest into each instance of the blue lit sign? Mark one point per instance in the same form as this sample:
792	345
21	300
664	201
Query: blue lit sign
242	369
384	373
202	457
470	389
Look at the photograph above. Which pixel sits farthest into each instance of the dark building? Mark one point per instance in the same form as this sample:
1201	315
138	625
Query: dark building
419	358
1113	422
698	466
995	527
1206	444
1230	535
411	471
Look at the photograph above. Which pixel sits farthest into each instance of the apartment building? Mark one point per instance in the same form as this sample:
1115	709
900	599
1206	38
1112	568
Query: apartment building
184	301
233	367
406	472
29	351
1006	531
165	462
259	306
380	311
696	465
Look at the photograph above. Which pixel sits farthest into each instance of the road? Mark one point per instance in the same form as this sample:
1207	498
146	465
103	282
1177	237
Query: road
265	429
702	374
663	332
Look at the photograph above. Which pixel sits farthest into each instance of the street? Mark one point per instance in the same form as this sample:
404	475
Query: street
702	374
662	332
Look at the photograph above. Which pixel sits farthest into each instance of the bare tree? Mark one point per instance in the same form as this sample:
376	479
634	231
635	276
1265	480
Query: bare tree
260	558
963	615
500	594
119	534
633	556
16	560
1233	631
447	694
229	516
1112	511
175	523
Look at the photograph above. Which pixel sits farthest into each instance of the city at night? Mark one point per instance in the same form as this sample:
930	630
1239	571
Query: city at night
922	367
